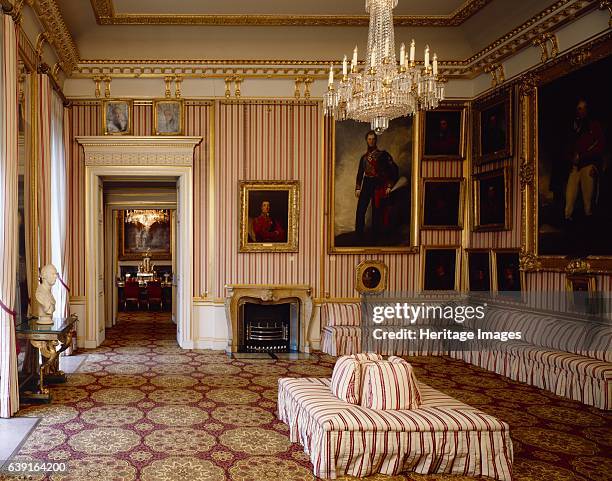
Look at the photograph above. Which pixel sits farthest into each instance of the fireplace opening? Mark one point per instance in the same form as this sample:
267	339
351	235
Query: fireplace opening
269	327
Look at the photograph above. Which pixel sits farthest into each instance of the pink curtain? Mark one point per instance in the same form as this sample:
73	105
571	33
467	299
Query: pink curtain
9	386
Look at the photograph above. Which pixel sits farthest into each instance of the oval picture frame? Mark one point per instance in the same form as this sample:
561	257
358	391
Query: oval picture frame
371	276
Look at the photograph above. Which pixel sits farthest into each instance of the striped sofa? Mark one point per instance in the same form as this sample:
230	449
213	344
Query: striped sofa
341	332
442	436
569	357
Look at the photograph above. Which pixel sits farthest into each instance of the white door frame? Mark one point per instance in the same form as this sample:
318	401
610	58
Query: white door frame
96	166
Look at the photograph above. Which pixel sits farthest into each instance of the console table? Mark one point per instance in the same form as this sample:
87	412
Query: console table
50	340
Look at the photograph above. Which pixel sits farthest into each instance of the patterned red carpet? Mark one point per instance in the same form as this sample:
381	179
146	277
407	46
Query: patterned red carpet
142	408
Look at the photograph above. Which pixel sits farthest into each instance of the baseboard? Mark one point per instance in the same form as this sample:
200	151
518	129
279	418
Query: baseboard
211	343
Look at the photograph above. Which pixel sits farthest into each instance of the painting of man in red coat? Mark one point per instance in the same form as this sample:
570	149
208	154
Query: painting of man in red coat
266	228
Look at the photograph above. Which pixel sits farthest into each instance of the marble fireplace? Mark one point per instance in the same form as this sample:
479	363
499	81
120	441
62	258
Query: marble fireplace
268	318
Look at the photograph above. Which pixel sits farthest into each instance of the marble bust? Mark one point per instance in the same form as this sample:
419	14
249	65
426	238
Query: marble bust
46	301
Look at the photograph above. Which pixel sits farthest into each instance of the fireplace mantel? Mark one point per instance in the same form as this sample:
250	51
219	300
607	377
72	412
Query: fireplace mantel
267	293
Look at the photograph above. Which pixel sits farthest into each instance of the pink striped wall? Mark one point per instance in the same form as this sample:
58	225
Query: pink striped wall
272	140
279	140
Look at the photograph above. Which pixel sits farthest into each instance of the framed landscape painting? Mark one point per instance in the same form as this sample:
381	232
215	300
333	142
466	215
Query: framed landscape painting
371	195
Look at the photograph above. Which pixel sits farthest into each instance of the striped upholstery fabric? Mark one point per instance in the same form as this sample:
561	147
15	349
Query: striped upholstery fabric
442	436
341	340
368	356
569	375
336	314
389	386
341	332
346	379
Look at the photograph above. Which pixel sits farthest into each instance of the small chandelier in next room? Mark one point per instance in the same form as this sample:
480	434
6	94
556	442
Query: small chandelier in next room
385	89
146	217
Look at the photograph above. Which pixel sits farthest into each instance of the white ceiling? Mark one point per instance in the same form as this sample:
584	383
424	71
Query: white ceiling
188	42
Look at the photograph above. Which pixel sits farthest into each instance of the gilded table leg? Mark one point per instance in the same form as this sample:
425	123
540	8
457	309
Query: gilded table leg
48	351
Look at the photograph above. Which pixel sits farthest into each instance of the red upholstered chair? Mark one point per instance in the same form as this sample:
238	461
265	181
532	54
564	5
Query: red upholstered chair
131	293
154	294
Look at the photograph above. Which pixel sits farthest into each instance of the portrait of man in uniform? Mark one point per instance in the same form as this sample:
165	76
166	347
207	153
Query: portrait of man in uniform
371	187
269	217
574	163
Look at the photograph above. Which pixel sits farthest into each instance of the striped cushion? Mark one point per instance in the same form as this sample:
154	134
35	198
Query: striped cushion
389	386
335	314
347	375
346	379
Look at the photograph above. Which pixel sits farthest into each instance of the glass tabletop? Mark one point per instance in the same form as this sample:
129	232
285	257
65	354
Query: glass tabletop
30	325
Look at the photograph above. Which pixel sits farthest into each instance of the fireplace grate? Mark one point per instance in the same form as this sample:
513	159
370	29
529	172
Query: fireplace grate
267	335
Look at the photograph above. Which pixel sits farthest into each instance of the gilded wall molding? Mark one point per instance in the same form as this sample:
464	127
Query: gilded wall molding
105	13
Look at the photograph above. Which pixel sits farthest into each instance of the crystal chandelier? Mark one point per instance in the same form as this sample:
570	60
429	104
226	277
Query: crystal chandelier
146	217
384	90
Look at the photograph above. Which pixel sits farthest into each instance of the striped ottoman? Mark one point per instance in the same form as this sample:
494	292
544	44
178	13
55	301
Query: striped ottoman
442	436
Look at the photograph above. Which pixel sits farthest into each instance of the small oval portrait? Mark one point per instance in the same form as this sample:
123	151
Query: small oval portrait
371	276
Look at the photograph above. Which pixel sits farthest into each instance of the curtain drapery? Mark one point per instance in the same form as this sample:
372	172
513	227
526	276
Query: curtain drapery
43	165
58	207
9	249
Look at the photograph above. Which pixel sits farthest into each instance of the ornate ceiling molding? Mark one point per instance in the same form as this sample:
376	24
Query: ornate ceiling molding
105	13
548	20
57	32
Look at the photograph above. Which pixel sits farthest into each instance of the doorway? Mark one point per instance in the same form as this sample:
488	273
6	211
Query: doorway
139	248
96	285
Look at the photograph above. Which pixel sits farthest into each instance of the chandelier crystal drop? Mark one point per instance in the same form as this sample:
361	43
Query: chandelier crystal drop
146	217
385	89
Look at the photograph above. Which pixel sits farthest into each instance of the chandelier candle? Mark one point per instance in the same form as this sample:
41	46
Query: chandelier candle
384	89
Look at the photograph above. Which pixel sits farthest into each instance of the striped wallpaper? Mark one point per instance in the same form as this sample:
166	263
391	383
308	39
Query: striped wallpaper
279	140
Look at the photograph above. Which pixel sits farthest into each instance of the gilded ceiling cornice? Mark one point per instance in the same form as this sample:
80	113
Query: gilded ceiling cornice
58	34
548	20
104	11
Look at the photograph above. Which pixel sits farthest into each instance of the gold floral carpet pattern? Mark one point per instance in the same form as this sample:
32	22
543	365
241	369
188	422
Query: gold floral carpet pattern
141	408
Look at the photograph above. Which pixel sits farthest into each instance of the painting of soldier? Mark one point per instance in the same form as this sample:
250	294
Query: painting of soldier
371	187
574	175
269	216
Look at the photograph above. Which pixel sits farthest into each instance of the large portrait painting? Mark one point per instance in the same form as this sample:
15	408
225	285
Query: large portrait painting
443	136
574	171
117	117
269	216
137	238
371	187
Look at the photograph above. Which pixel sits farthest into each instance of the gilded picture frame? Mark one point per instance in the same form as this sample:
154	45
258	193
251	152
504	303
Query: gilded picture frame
168	117
269	216
529	86
486	218
434	144
117	116
402	142
507	273
126	249
371	276
493	127
478	269
440	268
442	200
